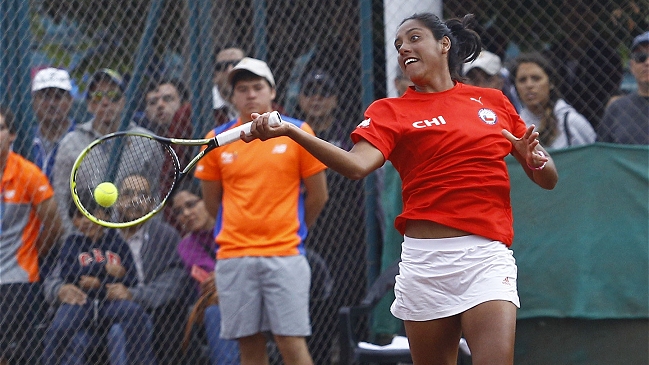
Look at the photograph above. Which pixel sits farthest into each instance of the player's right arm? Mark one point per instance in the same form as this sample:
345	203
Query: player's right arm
355	164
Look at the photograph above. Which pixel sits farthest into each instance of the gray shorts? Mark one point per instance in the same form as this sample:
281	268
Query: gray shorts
260	294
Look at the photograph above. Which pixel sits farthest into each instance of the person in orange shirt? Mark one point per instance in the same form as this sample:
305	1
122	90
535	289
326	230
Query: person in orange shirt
264	195
29	227
448	141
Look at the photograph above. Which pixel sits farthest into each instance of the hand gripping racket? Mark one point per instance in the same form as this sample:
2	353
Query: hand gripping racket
147	166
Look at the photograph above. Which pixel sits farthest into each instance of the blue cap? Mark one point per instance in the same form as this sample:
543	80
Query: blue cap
642	38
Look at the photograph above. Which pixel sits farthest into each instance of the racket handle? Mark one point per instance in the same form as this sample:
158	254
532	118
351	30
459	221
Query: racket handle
233	134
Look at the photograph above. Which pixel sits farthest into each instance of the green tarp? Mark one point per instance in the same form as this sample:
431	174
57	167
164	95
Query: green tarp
582	248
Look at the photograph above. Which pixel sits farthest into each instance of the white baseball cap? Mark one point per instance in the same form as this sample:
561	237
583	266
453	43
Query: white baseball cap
52	78
486	61
257	67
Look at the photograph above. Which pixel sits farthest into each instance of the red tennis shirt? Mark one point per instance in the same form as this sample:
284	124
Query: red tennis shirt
449	151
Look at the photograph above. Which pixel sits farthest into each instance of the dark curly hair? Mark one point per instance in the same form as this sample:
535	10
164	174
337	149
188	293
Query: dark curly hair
465	42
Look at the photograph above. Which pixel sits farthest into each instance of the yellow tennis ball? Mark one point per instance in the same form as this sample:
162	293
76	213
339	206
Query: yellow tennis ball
106	194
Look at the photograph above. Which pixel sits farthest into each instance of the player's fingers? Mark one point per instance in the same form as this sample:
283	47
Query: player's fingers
529	131
509	136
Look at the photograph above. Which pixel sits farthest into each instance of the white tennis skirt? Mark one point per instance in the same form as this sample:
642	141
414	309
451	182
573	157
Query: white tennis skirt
443	277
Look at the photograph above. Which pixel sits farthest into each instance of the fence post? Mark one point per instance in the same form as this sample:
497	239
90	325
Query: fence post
372	233
15	69
202	65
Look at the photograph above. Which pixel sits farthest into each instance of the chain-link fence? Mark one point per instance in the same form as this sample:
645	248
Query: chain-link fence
329	59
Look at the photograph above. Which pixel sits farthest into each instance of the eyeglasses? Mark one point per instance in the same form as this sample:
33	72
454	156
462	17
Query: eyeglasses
639	57
223	65
186	205
112	95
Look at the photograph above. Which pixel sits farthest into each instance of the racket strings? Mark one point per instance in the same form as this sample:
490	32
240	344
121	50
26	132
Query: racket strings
142	169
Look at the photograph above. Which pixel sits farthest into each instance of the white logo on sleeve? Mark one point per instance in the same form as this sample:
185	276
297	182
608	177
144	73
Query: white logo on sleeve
364	124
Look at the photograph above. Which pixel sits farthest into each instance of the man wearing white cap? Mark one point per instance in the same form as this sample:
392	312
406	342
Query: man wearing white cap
52	102
267	195
487	71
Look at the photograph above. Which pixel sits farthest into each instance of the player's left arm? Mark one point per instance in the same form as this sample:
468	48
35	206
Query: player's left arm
52	228
316	196
212	195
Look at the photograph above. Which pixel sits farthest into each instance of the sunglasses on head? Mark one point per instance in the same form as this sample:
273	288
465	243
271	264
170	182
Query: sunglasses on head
639	57
223	65
112	95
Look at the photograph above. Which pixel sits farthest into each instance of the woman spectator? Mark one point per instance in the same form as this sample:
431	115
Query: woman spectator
558	123
198	253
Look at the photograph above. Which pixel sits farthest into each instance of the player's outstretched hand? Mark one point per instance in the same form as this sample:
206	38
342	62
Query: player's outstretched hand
263	130
526	146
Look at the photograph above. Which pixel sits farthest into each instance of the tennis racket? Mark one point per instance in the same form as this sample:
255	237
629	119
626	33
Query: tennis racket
147	167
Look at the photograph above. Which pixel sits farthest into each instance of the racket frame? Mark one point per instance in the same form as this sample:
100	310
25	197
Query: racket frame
209	143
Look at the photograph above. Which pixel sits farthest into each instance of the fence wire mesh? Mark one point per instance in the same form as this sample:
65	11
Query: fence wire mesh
304	43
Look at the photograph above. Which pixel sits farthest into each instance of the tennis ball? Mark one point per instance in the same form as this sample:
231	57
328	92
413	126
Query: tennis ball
106	194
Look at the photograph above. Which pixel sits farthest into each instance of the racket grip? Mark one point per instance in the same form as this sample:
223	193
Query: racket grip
231	135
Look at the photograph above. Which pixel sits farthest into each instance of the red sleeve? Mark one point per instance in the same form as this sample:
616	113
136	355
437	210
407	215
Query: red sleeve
380	127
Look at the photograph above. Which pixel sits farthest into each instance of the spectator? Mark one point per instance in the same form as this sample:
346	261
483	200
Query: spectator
457	275
162	281
226	58
52	102
106	102
260	231
626	120
338	232
487	71
589	68
88	261
559	124
168	114
30	227
198	252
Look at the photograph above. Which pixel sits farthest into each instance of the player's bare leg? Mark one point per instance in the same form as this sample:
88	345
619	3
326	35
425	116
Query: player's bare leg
253	350
434	342
489	329
294	350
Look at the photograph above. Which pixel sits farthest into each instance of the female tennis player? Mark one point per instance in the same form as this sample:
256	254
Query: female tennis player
448	142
